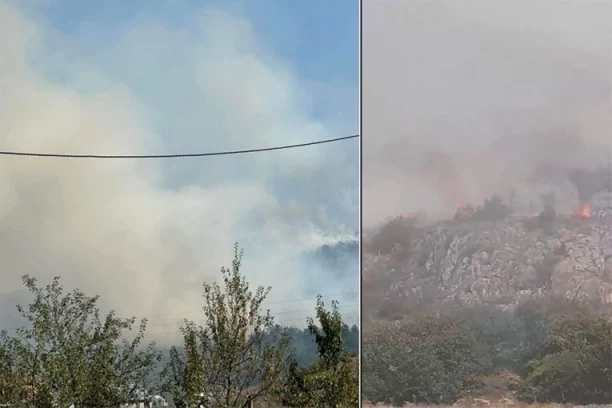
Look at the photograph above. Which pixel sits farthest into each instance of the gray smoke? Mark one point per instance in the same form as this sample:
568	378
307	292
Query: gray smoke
589	182
144	235
463	100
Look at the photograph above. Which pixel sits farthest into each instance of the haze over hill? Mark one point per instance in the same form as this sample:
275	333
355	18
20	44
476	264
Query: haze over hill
462	100
496	263
484	99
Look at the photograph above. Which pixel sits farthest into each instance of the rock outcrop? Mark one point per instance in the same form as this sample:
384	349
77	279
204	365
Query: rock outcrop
498	263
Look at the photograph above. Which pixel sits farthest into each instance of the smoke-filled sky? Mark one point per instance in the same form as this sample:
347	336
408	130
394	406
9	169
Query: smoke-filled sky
178	77
464	99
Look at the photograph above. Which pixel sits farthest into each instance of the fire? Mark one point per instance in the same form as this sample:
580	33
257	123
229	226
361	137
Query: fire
585	211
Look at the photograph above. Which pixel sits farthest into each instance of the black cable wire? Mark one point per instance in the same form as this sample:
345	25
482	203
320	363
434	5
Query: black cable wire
173	156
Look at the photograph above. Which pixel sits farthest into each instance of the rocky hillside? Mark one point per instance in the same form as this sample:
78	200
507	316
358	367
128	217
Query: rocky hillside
495	263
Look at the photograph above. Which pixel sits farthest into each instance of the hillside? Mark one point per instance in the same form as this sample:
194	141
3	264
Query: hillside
489	305
497	263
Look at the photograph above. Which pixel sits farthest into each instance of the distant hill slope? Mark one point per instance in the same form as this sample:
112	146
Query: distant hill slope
490	263
339	256
338	268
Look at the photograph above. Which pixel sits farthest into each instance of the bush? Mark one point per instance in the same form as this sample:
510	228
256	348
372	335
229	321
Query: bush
433	361
573	365
559	350
493	209
513	339
333	381
398	231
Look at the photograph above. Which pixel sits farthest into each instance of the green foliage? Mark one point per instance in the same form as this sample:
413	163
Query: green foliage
511	340
432	361
11	375
70	354
560	350
226	357
303	347
333	381
350	338
573	365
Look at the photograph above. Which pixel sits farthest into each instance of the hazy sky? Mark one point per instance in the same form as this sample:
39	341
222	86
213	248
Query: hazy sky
462	99
113	77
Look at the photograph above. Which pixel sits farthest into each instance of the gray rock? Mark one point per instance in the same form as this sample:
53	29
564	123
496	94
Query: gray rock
498	263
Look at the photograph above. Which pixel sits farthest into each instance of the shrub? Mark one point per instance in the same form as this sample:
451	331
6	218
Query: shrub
432	361
493	209
557	351
397	231
574	361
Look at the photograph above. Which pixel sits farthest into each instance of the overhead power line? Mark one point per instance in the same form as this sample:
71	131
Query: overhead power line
174	156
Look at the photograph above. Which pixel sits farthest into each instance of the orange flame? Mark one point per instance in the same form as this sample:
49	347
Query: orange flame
585	211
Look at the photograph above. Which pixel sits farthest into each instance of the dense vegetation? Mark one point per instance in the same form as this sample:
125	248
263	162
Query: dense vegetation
544	350
557	351
69	353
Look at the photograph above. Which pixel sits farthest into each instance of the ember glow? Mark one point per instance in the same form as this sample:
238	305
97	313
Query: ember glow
585	211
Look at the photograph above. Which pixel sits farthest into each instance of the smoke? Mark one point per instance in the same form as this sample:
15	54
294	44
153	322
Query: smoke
463	100
144	235
590	182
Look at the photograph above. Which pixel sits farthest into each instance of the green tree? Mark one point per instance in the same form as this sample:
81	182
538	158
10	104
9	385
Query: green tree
223	361
11	379
304	348
493	209
70	354
433	361
333	381
185	371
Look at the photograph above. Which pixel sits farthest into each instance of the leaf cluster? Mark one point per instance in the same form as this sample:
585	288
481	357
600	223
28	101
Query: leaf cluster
232	359
333	381
70	354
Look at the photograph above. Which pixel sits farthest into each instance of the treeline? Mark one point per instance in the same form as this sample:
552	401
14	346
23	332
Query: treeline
303	346
399	232
69	353
548	350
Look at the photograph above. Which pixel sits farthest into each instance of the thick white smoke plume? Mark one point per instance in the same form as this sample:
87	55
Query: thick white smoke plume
144	235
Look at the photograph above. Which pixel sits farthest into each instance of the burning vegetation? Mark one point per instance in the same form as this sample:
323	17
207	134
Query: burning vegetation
593	187
588	184
585	211
464	212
